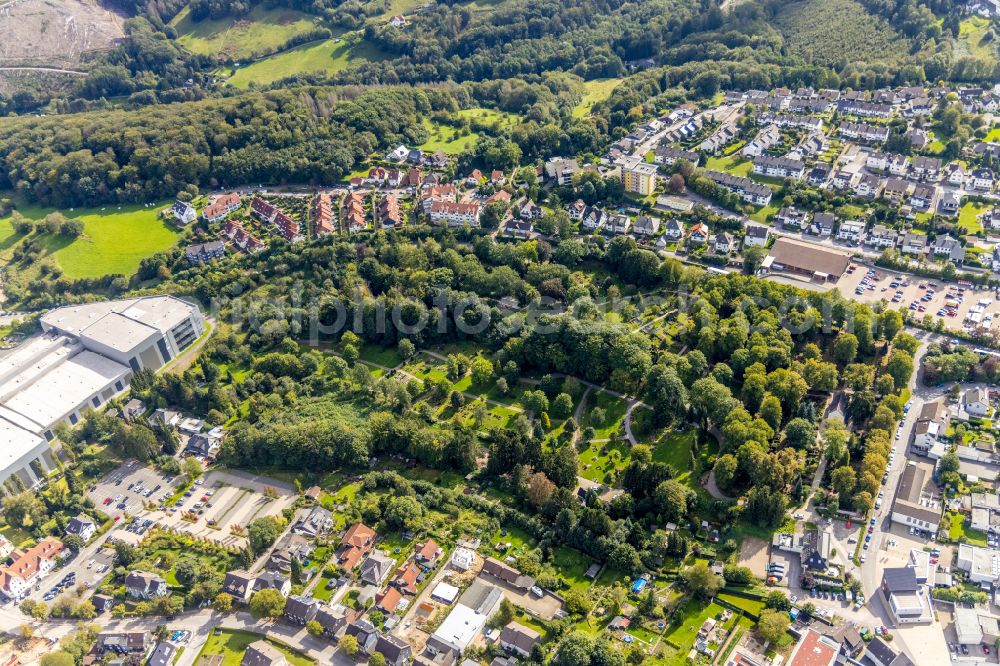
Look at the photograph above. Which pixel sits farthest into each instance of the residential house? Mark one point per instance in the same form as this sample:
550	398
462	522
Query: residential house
132	410
898	165
28	566
334	619
519	639
863	132
291	546
669	155
316	523
389	212
183	213
352	212
950	203
818	175
877	161
880	654
792	218
388	600
561	170
955	173
896	189
594	219
428	553
850	231
923	196
982	180
646	225
376	568
519	227
497	569
619	223
145	585
674	230
918	138
270	214
365	633
200	253
915	244
779	167
434	193
83	526
766	138
881	236
355	544
907	600
976	401
723	243
822	224
756	235
869	185
746	189
531	211
407	576
455	214
916	504
841	179
698	234
239	584
122	643
262	653
221	207
926	168
497	178
397	21
103	602
300	609
932	422
322	214
396	651
948	247
990	219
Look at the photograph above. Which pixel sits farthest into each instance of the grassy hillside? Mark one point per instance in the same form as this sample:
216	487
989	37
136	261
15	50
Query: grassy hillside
261	32
114	240
595	91
829	31
329	56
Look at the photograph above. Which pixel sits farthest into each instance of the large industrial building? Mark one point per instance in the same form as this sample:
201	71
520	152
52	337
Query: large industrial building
85	356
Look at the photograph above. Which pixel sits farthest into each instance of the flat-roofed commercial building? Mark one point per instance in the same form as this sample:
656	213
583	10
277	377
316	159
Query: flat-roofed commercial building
85	356
807	259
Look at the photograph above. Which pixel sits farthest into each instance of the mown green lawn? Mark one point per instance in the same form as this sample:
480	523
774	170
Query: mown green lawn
601	461
328	56
968	216
261	32
752	606
764	212
693	613
114	240
386	356
675	450
959	531
994	135
733	164
232	643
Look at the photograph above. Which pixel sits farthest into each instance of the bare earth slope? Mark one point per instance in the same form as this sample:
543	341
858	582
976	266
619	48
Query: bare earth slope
54	33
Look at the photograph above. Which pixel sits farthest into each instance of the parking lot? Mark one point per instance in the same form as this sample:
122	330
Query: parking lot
958	306
128	488
221	500
86	571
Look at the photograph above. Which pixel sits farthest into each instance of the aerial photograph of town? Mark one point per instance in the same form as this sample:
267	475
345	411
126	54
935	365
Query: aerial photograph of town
499	332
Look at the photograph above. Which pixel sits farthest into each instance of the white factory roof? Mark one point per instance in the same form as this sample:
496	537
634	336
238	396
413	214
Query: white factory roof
127	318
117	331
15	442
64	387
461	626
